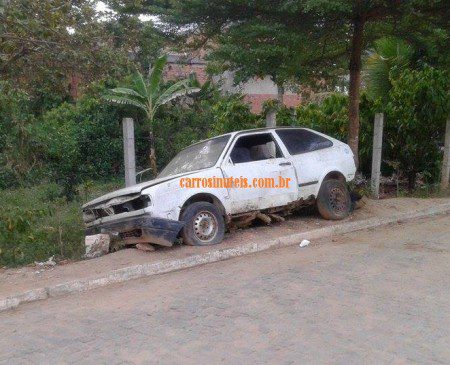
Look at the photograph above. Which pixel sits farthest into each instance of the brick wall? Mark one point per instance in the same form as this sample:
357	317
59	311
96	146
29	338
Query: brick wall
176	72
255	98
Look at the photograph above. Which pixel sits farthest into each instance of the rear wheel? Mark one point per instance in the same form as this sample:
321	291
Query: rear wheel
333	201
204	224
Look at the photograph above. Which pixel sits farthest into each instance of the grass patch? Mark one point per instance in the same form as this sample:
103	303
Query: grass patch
37	222
425	191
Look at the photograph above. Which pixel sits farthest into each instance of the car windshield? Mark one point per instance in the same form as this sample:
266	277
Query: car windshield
196	157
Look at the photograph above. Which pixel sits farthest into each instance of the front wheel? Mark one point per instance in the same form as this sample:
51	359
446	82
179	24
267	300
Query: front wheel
204	225
333	201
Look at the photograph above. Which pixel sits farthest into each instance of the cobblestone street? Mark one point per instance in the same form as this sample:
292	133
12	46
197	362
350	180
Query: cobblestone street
377	296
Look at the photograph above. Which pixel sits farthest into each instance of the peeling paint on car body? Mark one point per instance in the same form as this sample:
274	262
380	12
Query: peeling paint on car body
166	198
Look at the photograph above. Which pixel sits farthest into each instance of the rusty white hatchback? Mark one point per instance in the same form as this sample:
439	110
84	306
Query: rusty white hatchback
187	201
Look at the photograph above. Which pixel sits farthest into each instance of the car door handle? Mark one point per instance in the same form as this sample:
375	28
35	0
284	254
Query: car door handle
285	164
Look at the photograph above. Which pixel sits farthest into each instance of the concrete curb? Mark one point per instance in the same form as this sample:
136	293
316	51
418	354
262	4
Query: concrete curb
146	270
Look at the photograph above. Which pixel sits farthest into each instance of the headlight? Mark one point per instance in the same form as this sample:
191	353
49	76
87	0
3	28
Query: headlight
88	215
146	200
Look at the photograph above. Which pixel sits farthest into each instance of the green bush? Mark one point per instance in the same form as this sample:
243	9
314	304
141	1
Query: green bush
36	223
285	116
81	142
416	115
231	113
19	155
34	228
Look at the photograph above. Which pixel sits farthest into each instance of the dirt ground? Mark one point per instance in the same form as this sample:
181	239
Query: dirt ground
26	278
378	296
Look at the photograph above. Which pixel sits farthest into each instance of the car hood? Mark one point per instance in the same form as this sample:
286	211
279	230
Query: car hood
132	191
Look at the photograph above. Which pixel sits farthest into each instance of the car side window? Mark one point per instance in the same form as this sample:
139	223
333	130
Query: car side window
299	141
255	147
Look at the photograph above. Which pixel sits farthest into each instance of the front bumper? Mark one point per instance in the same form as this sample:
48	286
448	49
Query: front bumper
141	229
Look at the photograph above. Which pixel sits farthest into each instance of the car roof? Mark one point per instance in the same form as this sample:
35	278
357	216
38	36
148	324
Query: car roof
267	129
232	134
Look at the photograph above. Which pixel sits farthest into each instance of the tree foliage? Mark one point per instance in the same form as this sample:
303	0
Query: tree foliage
59	41
418	108
19	154
64	45
141	40
258	49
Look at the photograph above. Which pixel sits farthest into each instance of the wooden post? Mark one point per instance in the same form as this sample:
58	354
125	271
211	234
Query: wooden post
376	154
129	152
445	173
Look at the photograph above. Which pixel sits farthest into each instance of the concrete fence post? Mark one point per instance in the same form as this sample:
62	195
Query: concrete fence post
129	152
271	121
271	118
445	173
376	154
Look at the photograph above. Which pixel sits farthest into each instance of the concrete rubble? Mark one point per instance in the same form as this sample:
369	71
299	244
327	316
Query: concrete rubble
96	245
45	264
145	247
304	243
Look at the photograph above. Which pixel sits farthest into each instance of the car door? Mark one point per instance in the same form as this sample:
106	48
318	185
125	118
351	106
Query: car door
305	148
258	156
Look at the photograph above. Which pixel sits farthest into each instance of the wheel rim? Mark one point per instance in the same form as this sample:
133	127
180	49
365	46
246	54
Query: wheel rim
205	226
337	200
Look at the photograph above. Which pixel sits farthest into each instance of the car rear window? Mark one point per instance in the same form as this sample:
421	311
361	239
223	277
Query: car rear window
299	141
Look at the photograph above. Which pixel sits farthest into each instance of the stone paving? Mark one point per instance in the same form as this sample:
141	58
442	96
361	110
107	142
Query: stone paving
377	296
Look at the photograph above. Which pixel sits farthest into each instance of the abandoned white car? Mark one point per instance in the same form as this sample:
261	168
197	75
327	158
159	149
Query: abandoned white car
229	181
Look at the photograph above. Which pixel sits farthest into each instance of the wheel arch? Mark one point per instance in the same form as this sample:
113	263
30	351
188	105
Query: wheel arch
332	174
204	197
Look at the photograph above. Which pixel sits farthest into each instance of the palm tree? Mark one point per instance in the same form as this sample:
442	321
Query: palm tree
390	54
148	95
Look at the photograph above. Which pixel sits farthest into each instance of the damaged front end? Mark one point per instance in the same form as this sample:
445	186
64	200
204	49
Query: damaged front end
141	229
126	218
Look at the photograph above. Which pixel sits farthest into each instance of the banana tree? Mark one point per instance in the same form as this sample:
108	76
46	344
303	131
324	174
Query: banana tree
148	94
